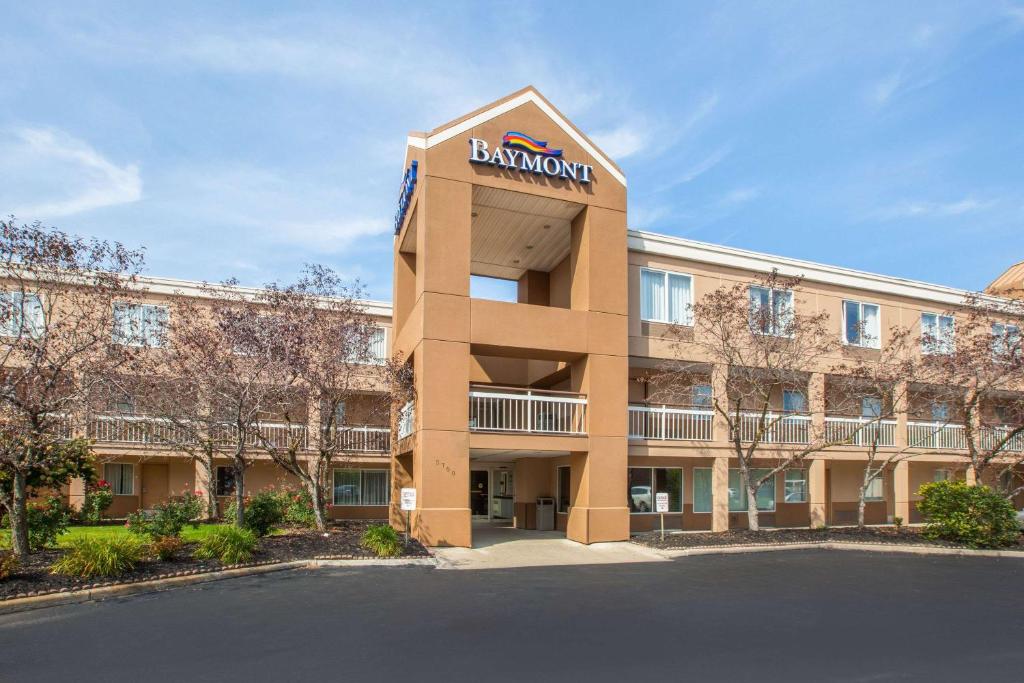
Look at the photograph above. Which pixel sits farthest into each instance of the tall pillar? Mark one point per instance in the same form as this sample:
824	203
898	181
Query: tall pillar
901	407
901	490
720	494
817	493
816	403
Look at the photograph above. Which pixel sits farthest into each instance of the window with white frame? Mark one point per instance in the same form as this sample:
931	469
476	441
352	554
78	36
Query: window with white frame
701	395
794	401
121	477
564	489
795	486
362	487
1005	341
936	333
939	411
666	297
861	325
21	313
771	311
702	489
876	489
870	406
942	474
140	324
738	493
644	483
379	345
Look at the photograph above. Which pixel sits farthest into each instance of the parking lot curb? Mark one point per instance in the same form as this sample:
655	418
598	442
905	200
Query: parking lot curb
31	602
836	545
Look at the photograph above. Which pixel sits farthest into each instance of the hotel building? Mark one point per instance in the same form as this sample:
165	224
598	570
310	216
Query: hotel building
539	398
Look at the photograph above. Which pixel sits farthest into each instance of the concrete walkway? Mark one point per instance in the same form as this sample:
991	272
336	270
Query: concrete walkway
498	547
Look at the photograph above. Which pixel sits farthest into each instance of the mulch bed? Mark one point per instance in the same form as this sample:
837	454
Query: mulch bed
34	577
737	537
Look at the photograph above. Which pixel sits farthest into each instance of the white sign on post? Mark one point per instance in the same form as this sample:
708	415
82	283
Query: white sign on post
409	499
661	502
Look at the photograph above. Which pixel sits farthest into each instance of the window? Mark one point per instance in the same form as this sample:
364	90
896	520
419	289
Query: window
870	406
771	311
121	478
225	481
738	494
379	345
702	489
139	324
339	414
794	401
362	487
940	411
1005	341
936	333
875	489
21	313
666	297
861	324
644	483
795	486
942	475
701	395
563	489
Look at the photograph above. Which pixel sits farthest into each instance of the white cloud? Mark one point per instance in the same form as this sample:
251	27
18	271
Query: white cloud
54	174
931	209
741	195
621	142
881	91
328	235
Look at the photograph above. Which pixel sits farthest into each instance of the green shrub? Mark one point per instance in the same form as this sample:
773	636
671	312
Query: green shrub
46	521
8	565
263	512
103	556
382	540
975	516
165	547
227	543
98	497
298	508
168	518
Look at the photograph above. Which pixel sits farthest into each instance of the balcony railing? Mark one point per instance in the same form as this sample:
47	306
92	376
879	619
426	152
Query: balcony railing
860	431
779	428
670	423
406	420
936	435
531	411
365	439
138	429
991	436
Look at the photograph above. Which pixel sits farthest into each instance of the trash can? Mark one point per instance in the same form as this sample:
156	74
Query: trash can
545	514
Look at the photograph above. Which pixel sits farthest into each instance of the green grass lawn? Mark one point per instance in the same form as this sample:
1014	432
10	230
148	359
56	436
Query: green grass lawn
188	534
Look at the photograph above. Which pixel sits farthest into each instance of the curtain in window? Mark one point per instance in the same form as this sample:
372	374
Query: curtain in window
871	325
760	300
782	311
20	312
945	333
120	477
679	299
765	495
346	487
375	487
874	491
652	295
153	324
794	401
702	489
124	323
379	344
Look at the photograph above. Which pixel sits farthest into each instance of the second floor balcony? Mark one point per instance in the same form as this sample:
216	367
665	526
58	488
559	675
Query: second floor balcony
670	423
528	411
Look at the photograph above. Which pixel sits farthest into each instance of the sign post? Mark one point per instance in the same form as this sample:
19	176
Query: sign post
408	505
661	504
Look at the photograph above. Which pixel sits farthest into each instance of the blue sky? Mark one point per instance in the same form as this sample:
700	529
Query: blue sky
245	139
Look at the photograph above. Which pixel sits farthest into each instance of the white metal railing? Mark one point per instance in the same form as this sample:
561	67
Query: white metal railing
532	411
365	439
406	420
990	437
860	431
141	429
670	423
778	428
936	435
281	434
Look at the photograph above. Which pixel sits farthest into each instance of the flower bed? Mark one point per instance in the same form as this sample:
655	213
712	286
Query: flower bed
743	537
34	577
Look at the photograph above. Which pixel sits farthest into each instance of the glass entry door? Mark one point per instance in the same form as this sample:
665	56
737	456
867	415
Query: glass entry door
479	493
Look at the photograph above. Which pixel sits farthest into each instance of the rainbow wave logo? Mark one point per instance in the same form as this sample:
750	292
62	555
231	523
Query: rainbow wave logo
525	142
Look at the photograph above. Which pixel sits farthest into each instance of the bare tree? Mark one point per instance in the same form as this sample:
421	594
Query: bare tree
980	370
57	313
756	344
329	338
229	358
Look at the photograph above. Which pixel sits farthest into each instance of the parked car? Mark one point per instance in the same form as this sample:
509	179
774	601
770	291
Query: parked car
642	498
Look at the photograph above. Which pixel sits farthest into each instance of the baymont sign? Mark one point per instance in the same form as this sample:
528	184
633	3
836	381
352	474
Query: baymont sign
520	152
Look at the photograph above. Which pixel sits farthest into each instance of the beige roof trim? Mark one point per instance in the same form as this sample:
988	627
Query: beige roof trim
703	252
428	141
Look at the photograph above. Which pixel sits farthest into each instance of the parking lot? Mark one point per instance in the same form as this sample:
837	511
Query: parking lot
783	616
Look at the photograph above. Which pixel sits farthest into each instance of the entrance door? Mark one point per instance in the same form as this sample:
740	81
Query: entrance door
479	493
154	484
